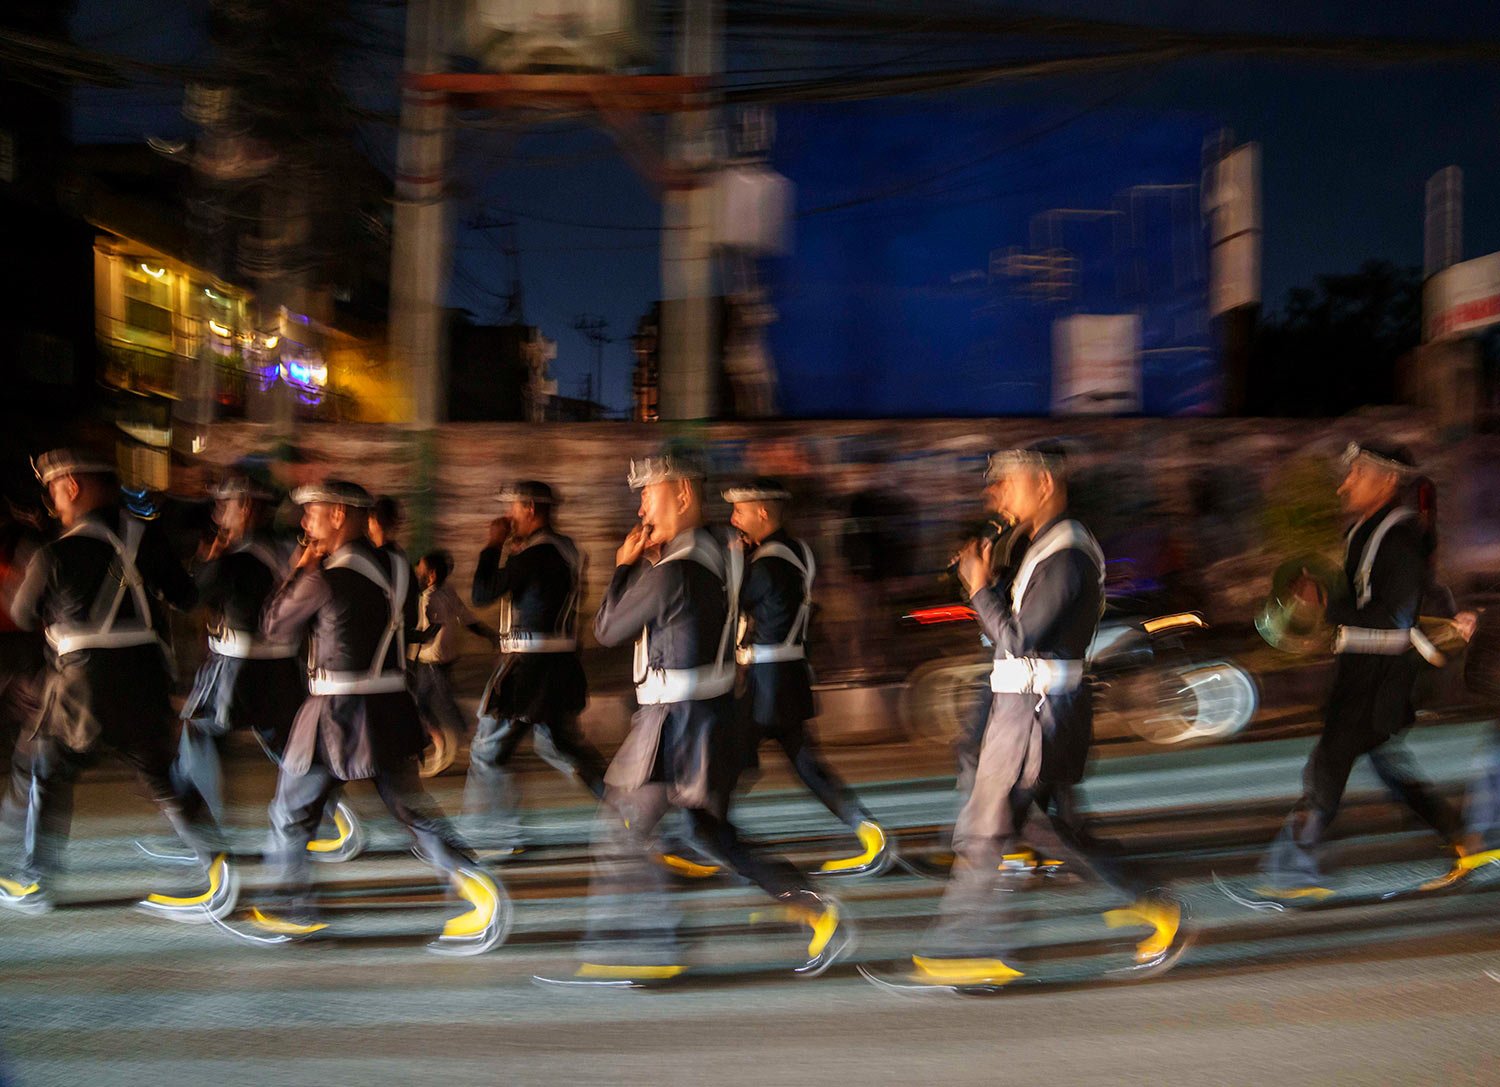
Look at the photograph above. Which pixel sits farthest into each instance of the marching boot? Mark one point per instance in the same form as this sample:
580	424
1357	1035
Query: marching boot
830	935
24	896
210	905
484	926
349	841
875	857
1158	911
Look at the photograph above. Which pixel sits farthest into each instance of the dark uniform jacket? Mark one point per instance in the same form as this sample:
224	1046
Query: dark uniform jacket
1056	619
778	693
115	696
346	614
232	692
699	748
1372	693
542	579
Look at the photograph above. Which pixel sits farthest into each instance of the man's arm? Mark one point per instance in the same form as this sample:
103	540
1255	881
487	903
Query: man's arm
636	595
26	604
1056	588
292	607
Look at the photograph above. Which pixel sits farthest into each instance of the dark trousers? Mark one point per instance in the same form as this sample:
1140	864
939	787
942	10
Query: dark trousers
1482	803
1292	859
490	788
297	810
45	773
631	918
820	780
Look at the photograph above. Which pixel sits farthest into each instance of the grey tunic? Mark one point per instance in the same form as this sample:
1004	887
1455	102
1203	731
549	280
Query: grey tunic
354	735
698	748
117	696
1055	619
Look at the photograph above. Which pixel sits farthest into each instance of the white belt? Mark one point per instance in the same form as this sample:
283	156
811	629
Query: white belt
537	643
1372	641
684	684
322	682
769	654
64	641
1035	675
242	645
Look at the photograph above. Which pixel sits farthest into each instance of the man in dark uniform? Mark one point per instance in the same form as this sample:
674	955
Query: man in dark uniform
246	682
355	603
1040	723
93	590
1376	666
538	687
675	590
775	608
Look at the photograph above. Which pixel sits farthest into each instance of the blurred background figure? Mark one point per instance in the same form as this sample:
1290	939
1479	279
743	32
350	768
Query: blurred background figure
434	649
775	610
538	686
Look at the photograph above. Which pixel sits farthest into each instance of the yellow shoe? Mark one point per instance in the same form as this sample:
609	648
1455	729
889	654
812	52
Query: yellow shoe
830	936
875	858
1464	866
963	973
273	925
484	926
1162	915
690	869
350	842
611	972
1298	895
24	896
212	905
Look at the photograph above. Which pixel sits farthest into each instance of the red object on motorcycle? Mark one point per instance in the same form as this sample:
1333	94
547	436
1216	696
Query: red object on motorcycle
945	613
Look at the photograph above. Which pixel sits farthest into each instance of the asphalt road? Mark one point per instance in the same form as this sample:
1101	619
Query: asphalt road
1392	993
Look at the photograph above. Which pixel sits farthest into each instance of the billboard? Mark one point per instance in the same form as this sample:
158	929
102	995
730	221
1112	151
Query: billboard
938	243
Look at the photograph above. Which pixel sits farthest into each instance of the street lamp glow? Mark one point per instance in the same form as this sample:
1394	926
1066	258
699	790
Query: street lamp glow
154	273
218	329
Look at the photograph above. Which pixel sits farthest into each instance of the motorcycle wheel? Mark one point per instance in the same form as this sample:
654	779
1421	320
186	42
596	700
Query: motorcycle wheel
1203	702
438	755
939	697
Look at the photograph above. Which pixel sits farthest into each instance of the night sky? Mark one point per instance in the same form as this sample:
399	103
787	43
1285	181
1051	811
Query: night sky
1346	150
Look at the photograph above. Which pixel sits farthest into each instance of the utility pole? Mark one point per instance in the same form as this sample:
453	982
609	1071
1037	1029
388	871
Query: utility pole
419	250
690	377
595	329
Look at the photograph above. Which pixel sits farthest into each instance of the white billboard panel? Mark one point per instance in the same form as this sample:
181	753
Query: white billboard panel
1096	364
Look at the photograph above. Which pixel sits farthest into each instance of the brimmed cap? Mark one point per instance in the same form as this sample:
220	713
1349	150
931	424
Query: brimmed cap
247	479
68	462
528	490
1049	455
666	466
335	492
1387	456
762	489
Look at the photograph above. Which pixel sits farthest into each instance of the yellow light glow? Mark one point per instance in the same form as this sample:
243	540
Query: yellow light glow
154	273
1182	619
318	374
218	329
272	341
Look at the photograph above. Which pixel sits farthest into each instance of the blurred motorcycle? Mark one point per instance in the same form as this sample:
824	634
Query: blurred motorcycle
1148	681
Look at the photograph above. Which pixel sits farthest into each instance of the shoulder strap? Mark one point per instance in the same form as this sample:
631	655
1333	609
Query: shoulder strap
106	605
263	554
802	559
1060	537
394	587
1362	588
